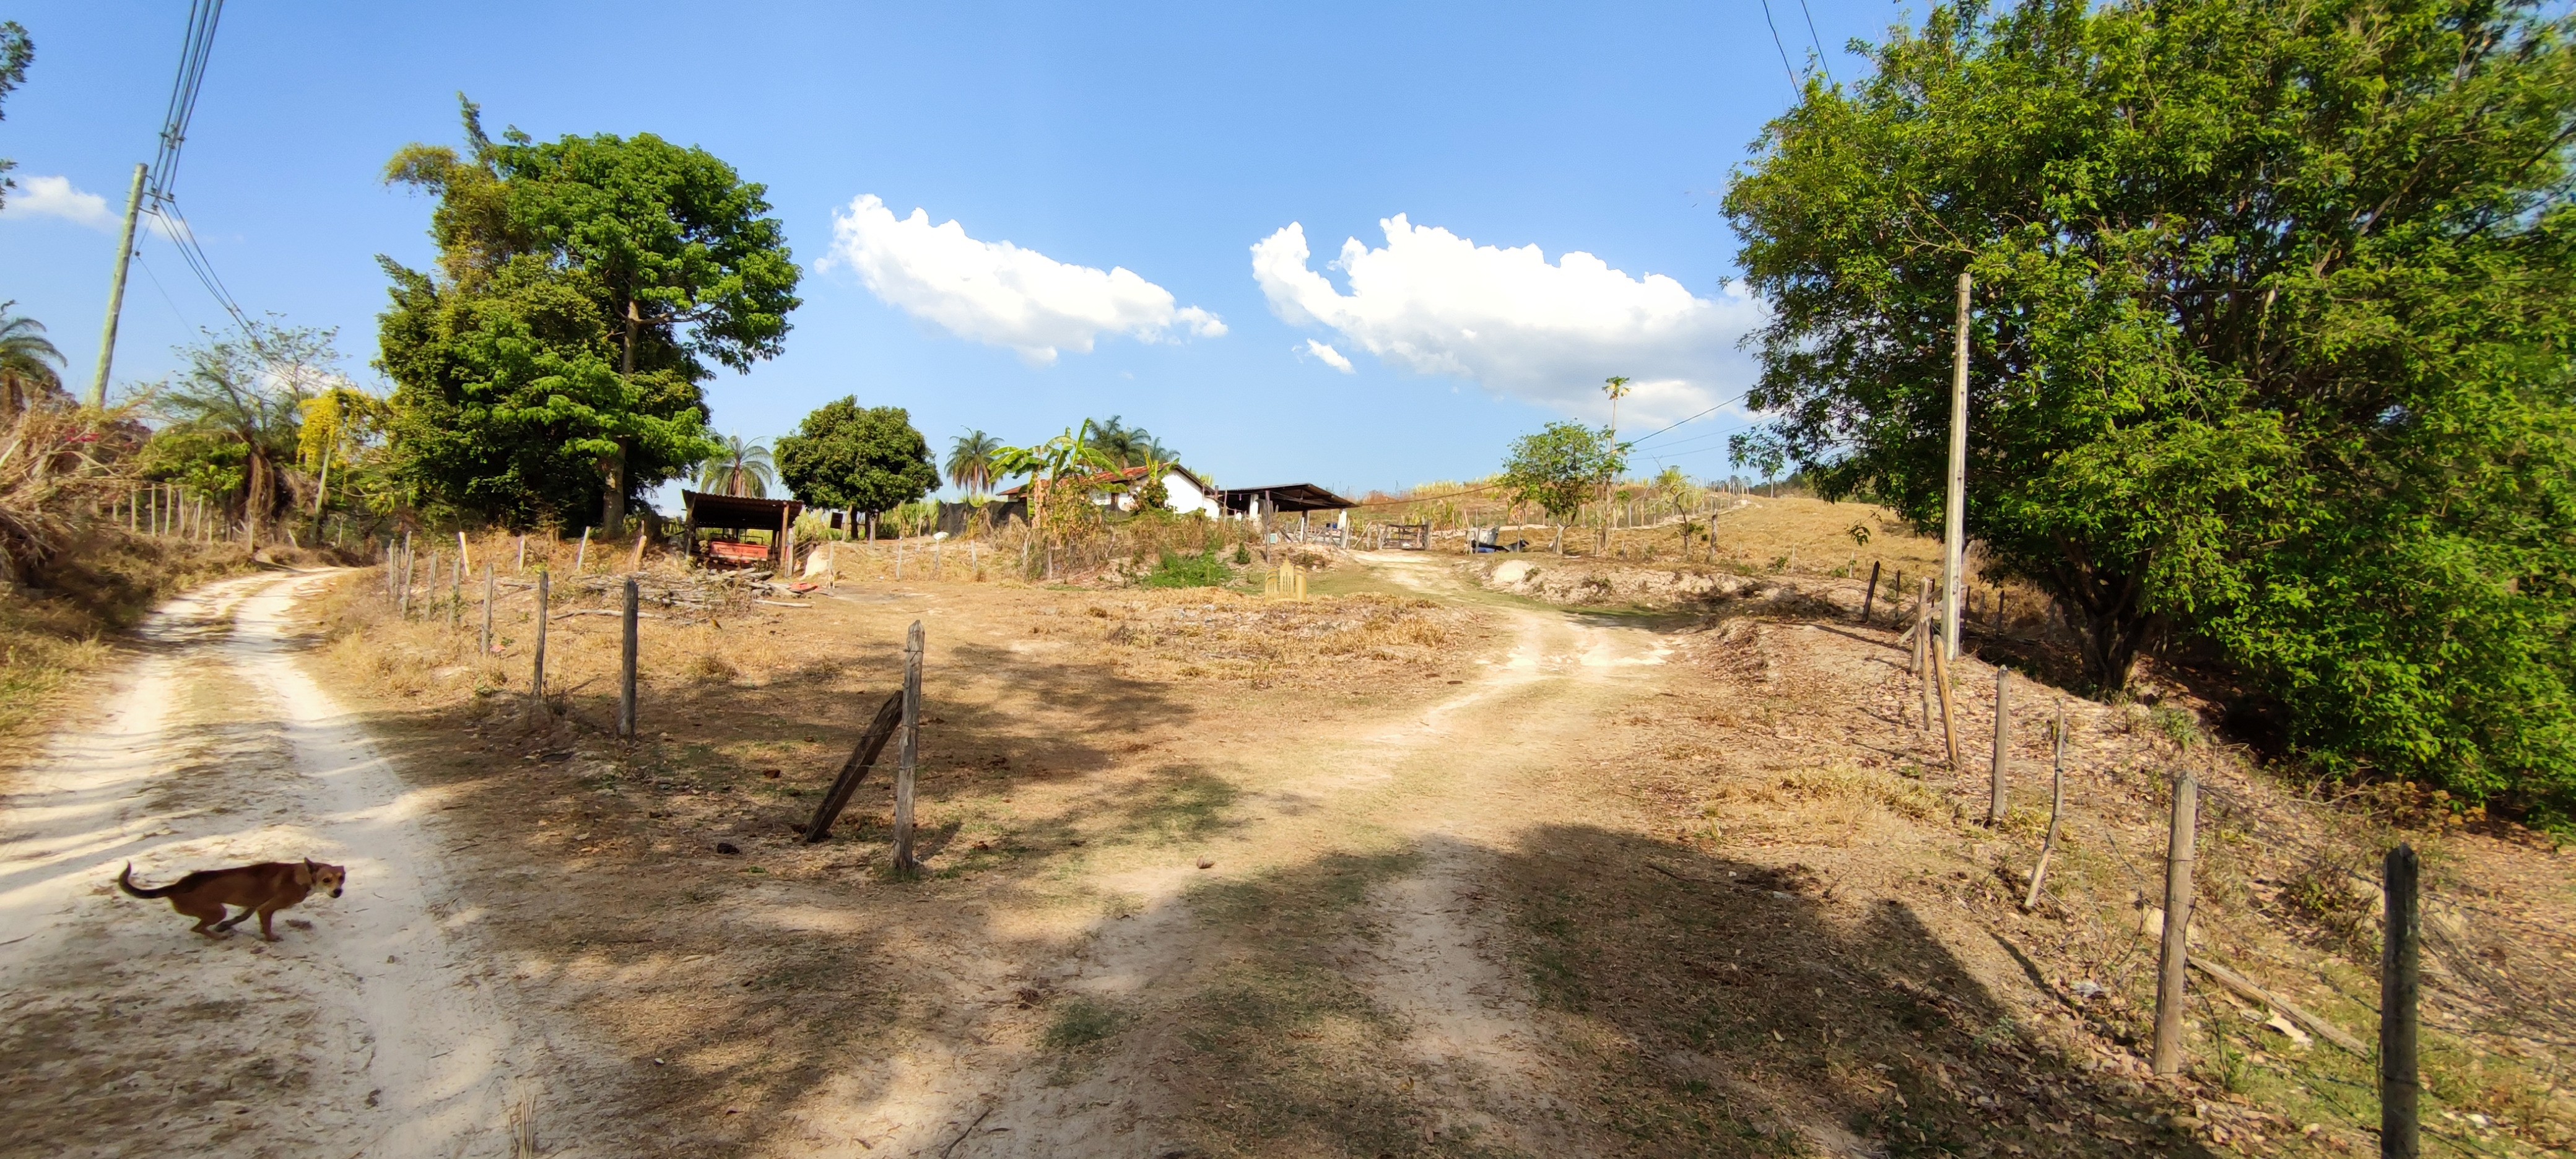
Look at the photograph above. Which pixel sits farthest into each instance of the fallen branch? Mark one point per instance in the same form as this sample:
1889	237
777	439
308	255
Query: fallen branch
604	612
781	604
2245	987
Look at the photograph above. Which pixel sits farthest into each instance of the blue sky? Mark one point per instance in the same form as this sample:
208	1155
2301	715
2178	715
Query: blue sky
1167	140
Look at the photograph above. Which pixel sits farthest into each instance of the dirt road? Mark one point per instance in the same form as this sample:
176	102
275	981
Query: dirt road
368	1027
1427	798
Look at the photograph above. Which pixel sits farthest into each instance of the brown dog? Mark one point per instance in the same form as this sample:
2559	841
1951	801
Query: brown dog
260	889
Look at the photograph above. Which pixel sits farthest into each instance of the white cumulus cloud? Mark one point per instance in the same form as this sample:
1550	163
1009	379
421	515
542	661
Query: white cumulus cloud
1431	301
57	197
997	293
1323	352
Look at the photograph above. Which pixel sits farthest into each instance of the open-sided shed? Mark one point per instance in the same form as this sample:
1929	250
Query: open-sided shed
1286	497
739	513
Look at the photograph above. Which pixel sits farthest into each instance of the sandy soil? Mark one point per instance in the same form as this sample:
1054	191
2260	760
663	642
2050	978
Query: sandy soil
368	1027
1420	868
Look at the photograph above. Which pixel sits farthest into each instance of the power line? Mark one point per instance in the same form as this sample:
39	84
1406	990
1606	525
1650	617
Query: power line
1777	43
1816	40
203	15
1722	405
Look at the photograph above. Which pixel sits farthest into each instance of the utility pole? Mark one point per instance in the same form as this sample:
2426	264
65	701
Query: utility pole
116	291
1954	536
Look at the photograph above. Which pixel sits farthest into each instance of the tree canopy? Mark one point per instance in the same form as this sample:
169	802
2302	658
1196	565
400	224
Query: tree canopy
1562	467
552	364
17	51
860	458
2271	343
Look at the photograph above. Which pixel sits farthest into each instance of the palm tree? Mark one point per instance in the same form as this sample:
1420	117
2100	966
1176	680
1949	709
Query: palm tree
741	468
970	461
24	357
1128	446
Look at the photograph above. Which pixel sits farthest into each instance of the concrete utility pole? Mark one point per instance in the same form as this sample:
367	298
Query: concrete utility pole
1954	536
116	290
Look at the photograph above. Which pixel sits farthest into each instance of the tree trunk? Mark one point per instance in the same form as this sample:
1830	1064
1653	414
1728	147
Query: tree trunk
634	322
255	502
612	506
2107	613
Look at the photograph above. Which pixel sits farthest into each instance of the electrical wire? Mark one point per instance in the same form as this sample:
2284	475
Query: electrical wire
1816	40
203	15
1777	43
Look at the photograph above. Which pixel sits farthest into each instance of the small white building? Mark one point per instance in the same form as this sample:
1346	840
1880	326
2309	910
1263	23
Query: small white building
1183	492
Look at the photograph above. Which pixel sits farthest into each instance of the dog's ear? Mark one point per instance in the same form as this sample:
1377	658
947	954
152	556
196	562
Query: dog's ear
304	872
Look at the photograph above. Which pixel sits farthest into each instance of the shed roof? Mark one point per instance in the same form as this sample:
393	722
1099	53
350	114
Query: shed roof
738	512
1287	497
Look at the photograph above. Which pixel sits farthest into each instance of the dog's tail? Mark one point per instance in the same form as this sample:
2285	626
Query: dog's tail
125	881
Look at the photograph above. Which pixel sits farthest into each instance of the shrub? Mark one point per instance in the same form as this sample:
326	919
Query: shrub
1189	571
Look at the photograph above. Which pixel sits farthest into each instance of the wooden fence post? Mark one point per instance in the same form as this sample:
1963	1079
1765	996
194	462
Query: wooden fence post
1923	651
1949	719
635	563
537	683
863	756
2056	806
2177	951
521	567
2003	743
464	553
2399	991
910	752
626	667
581	554
456	593
487	607
405	602
1869	598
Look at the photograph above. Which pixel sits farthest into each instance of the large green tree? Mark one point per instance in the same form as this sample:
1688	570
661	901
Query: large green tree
1561	468
866	459
2273	312
553	363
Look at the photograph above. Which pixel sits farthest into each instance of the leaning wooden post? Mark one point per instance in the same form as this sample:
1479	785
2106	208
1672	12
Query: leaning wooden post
1869	598
521	567
2003	743
2177	950
1949	719
2400	988
537	682
487	607
582	553
626	667
910	752
635	563
2056	806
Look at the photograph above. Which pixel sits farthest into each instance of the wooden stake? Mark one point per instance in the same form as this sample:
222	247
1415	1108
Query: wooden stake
545	595
2171	977
863	756
2003	743
1870	597
464	554
910	752
582	553
2056	805
456	594
1949	720
405	601
487	607
521	567
635	563
2400	988
626	666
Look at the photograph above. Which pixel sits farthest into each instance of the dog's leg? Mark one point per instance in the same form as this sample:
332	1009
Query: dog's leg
265	912
210	918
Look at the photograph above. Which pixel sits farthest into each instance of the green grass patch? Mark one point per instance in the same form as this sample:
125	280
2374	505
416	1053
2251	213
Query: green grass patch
1079	1022
1177	570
